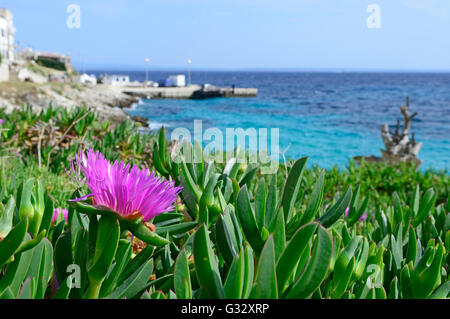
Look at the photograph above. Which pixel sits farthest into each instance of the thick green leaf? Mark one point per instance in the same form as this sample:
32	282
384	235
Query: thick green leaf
48	214
426	205
234	283
442	292
248	221
190	181
182	277
272	202
105	248
292	186
63	256
6	217
134	284
121	259
225	237
314	201
266	280
176	229
335	212
278	230
206	265
144	233
41	267
28	289
63	292
249	271
26	210
426	276
16	272
341	283
291	255
397	247
7	294
394	292
260	204
248	175
12	242
411	253
317	267
135	263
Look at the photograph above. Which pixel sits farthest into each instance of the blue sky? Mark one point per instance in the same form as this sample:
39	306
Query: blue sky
241	34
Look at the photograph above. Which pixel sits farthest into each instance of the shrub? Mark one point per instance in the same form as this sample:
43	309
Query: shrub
51	63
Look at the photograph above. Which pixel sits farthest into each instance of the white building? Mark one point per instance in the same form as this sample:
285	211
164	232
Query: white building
7	31
116	80
6	35
88	79
177	80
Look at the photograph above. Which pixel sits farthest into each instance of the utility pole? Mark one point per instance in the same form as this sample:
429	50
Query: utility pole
189	71
147	60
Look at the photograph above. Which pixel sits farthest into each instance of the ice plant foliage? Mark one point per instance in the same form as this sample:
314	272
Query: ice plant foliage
130	192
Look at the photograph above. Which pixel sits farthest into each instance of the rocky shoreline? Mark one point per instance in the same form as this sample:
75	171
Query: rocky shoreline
107	101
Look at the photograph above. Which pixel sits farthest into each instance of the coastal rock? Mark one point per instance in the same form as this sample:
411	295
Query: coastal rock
105	100
141	120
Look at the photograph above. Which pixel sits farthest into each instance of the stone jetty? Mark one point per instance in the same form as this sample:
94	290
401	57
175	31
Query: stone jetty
188	92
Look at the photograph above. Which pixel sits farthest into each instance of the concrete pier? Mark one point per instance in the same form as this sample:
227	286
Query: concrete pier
188	92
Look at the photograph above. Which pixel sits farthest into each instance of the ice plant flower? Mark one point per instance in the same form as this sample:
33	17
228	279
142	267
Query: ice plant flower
128	191
346	211
362	218
58	211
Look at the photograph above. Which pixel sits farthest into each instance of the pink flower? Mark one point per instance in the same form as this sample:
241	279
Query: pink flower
1	121
130	193
362	218
58	211
346	211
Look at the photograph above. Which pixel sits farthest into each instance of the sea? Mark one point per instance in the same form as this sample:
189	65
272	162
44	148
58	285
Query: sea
328	116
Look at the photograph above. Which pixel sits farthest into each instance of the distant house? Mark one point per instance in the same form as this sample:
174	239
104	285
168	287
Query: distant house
116	80
7	31
53	56
177	80
88	79
49	59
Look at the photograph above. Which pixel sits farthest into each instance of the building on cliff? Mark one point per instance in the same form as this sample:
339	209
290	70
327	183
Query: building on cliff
116	80
7	31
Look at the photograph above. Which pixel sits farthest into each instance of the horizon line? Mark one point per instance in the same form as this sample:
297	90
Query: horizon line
136	68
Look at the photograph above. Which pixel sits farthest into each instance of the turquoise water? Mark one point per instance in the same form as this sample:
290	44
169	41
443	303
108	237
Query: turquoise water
329	117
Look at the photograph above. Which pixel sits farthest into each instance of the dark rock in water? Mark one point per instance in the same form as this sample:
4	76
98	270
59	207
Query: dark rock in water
141	120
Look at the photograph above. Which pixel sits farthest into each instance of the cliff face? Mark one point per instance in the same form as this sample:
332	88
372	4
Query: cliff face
107	101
